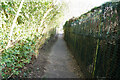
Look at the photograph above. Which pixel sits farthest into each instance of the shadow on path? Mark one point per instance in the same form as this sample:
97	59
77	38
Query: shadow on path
54	61
60	61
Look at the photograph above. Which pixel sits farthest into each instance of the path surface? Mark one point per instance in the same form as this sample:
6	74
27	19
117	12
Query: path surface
60	60
54	61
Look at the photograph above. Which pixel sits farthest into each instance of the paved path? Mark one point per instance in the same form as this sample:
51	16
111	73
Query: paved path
60	60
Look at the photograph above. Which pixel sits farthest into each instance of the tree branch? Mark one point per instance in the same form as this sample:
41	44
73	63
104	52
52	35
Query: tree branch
45	15
13	25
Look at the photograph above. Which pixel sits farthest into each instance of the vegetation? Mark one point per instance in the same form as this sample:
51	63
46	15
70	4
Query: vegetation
24	27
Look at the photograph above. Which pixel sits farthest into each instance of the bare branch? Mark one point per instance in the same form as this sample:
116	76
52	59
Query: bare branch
13	25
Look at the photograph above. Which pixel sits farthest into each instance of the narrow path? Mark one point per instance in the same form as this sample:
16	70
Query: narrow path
54	61
60	60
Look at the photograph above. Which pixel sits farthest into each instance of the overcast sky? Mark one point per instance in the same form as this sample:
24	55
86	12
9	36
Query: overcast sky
78	7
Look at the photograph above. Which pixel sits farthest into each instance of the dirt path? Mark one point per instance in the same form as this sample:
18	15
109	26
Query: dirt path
60	61
54	61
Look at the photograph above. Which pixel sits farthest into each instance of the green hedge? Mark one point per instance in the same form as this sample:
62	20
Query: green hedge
21	35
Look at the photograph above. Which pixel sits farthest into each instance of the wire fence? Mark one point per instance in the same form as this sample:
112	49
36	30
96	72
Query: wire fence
94	39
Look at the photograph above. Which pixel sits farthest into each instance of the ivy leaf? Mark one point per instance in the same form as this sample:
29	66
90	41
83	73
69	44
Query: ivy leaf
7	60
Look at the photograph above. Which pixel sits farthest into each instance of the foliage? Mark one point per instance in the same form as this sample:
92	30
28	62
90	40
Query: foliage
27	32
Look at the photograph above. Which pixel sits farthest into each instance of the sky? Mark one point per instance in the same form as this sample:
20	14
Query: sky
78	7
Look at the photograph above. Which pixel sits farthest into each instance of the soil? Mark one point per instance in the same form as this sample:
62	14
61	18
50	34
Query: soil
54	61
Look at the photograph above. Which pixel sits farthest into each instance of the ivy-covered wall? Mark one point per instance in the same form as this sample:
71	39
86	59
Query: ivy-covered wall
94	39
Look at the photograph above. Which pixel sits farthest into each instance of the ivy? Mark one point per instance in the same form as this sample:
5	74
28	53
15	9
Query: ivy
32	24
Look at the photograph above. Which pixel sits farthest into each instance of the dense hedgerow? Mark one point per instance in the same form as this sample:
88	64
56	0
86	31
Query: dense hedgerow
34	24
